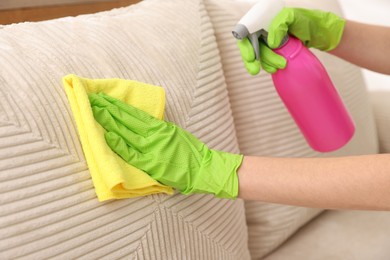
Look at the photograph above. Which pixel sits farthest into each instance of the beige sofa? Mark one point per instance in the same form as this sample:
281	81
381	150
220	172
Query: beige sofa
48	207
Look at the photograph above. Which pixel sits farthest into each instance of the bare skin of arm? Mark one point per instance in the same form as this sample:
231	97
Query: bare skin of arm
356	182
366	46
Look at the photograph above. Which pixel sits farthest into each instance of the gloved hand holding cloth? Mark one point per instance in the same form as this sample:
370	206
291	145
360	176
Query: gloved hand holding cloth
315	28
166	152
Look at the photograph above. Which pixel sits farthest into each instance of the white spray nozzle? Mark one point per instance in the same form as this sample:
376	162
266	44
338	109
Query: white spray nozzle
256	21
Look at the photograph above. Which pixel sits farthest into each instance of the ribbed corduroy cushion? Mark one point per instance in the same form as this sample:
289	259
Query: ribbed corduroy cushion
48	207
265	128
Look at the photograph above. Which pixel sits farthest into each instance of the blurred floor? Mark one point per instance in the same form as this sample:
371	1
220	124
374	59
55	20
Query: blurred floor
373	12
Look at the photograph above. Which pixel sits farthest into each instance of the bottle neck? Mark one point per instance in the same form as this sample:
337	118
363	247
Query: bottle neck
290	48
284	41
264	36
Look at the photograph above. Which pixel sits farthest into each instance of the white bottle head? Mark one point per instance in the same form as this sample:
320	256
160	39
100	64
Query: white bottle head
258	18
256	21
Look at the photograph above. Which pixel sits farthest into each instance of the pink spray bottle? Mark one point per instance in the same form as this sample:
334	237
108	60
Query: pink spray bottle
304	85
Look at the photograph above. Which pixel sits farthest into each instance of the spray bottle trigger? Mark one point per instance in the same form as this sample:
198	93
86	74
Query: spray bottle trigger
253	38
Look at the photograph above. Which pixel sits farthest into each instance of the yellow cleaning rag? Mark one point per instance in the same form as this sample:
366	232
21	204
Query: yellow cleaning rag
112	177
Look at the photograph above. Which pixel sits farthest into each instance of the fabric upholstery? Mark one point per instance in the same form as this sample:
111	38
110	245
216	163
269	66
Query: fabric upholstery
265	128
48	205
347	235
381	107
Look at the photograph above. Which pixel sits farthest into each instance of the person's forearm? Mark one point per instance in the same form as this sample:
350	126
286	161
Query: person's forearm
357	182
366	46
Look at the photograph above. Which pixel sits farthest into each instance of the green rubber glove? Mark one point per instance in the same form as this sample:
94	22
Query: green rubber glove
315	28
269	60
166	152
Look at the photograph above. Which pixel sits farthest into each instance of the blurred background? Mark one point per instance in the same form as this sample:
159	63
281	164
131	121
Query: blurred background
368	11
14	11
373	12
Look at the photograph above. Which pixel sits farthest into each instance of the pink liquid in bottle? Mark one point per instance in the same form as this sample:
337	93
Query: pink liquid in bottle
309	95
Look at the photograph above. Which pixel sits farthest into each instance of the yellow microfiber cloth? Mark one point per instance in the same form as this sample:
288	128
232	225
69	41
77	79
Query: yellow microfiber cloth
112	177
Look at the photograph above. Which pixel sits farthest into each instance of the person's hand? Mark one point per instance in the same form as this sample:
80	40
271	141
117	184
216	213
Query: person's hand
166	152
315	28
269	60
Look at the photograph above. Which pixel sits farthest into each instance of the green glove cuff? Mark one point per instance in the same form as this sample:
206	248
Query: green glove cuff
338	28
217	175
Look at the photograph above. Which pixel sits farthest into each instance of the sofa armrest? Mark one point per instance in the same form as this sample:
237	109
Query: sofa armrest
381	108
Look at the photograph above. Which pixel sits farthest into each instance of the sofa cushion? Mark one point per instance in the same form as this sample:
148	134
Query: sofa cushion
48	205
264	126
357	235
381	107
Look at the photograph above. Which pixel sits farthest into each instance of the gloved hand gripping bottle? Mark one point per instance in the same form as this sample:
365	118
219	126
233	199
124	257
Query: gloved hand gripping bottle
303	85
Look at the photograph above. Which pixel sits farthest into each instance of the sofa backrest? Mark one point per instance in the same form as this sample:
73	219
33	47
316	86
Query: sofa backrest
48	205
